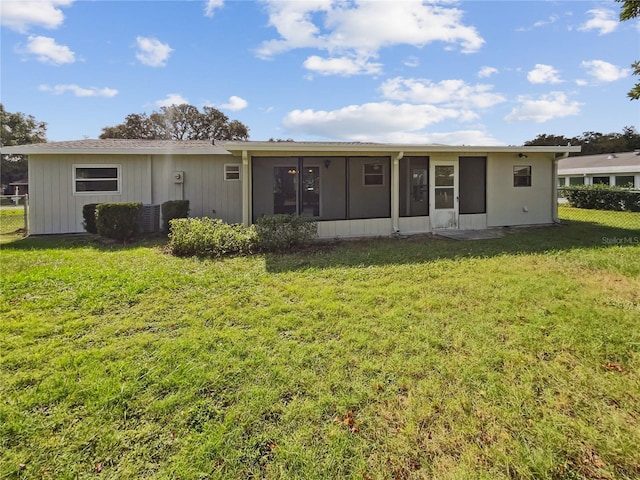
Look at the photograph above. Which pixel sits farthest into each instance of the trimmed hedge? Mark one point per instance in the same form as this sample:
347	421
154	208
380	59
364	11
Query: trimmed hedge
118	220
210	237
173	209
602	197
89	216
281	232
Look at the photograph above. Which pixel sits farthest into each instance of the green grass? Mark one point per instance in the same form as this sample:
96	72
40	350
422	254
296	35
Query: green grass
517	357
11	219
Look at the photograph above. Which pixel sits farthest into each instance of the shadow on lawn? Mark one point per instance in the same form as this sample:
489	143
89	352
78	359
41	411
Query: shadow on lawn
425	248
82	241
383	251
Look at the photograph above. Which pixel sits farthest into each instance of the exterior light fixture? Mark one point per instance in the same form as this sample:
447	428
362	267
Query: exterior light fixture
327	162
522	155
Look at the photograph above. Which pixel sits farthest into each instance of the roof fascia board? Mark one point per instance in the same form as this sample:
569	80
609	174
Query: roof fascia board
293	148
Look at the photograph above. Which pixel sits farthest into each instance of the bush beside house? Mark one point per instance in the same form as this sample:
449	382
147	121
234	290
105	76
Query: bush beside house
89	217
118	221
603	197
173	209
211	237
280	232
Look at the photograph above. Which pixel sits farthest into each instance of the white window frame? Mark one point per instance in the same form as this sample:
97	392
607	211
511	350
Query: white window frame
118	179
381	174
530	176
230	168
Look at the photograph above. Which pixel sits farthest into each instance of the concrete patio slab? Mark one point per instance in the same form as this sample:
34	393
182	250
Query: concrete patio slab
471	234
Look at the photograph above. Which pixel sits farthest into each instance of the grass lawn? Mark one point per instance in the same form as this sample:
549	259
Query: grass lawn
510	358
11	219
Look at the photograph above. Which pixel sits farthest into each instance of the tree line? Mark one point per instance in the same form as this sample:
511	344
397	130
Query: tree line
179	122
593	143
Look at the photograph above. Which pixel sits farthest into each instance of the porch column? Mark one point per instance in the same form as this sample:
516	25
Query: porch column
246	190
395	191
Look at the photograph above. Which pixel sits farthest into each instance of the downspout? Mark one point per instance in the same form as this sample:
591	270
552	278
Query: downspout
395	192
246	190
554	186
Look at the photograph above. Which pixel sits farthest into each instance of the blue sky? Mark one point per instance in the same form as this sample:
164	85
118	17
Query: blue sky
412	71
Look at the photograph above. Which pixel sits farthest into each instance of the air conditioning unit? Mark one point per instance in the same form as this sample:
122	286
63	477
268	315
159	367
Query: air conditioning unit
150	221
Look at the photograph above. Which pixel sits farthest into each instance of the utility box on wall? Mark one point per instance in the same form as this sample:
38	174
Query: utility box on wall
178	177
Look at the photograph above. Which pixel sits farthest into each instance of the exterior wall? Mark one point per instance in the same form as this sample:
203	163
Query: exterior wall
372	227
408	225
477	221
53	206
144	178
203	185
506	204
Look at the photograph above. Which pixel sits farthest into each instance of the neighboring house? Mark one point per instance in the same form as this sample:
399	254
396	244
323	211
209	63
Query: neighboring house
19	187
352	189
620	169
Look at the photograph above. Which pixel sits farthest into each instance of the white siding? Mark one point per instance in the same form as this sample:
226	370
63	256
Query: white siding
506	204
53	206
203	185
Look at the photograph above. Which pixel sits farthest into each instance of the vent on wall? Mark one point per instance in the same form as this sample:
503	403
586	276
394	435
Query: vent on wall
150	221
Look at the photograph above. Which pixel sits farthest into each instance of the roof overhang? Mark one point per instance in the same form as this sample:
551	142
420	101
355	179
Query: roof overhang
254	148
152	147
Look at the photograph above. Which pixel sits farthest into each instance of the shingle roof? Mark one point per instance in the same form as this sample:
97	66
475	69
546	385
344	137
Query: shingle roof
603	163
205	147
113	145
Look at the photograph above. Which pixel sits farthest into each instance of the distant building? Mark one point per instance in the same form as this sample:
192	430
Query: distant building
619	169
19	187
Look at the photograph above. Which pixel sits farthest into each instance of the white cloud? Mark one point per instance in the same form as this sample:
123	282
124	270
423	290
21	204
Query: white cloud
235	103
19	15
547	107
544	74
548	21
171	99
451	93
79	91
412	62
602	19
152	52
539	23
341	66
370	120
211	5
458	137
47	50
604	71
358	30
486	72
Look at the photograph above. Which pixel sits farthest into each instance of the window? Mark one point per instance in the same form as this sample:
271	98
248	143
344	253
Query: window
96	179
600	180
232	172
624	181
373	174
576	180
521	176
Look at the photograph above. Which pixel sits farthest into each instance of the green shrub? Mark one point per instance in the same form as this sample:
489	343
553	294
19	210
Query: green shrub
119	220
210	237
173	209
89	216
280	232
603	197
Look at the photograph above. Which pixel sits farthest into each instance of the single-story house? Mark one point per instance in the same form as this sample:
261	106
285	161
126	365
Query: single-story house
620	169
18	187
351	189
